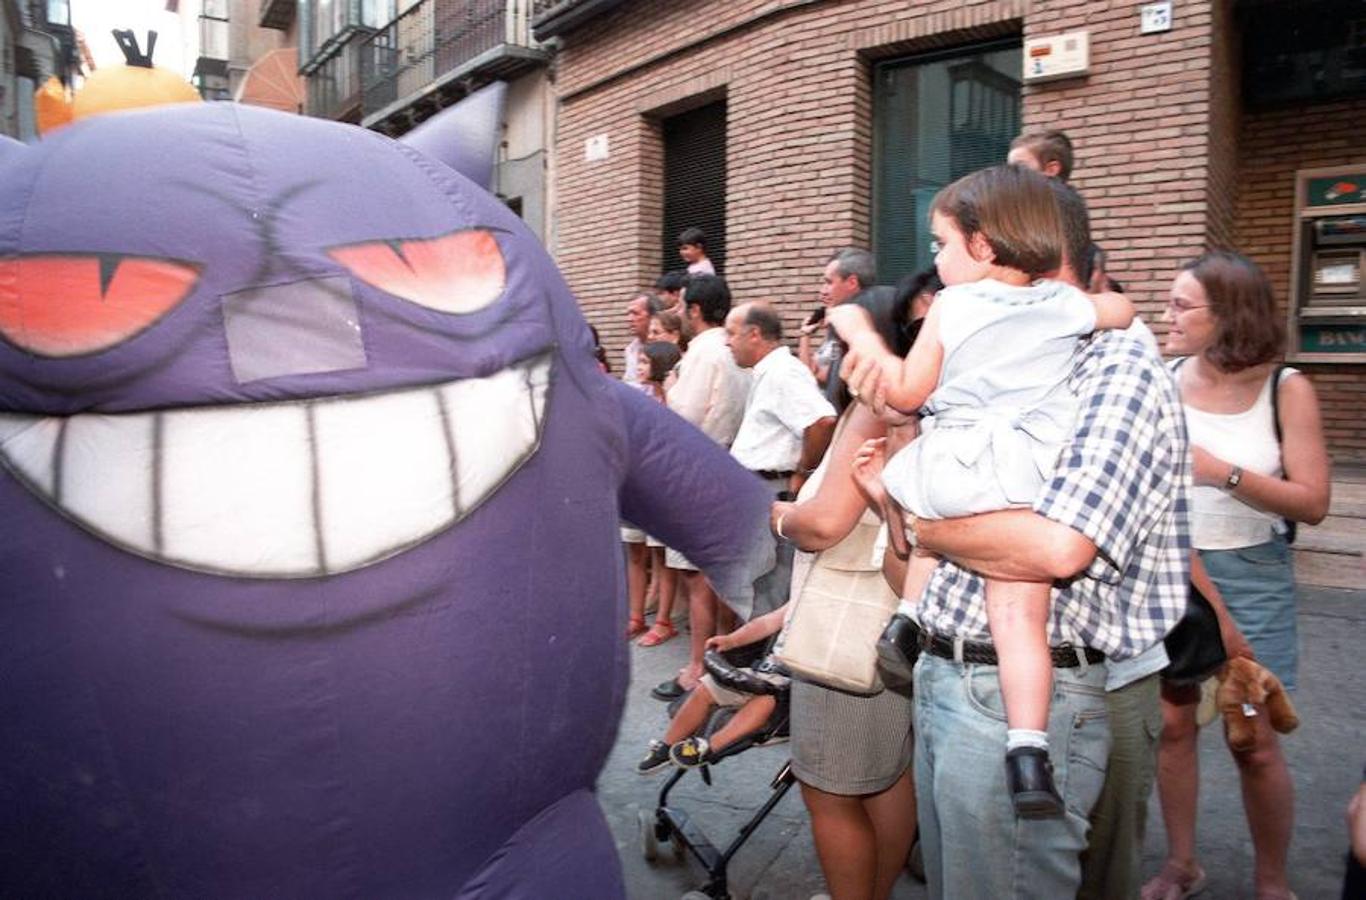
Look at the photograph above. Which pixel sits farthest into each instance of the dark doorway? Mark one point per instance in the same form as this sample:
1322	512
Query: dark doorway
935	119
695	181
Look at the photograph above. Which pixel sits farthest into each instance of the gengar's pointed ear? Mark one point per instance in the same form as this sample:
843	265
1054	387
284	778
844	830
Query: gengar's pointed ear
465	136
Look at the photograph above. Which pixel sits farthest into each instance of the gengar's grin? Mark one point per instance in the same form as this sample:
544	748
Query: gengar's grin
297	489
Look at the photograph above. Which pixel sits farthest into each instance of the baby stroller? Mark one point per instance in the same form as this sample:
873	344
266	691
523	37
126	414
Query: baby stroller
673	825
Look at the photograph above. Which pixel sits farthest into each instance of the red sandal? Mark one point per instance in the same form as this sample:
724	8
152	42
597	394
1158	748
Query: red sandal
635	627
658	634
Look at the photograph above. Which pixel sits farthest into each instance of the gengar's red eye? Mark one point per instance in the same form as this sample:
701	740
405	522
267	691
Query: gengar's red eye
70	305
461	272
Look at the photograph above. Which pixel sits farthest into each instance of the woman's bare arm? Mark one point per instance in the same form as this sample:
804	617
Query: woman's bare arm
1303	494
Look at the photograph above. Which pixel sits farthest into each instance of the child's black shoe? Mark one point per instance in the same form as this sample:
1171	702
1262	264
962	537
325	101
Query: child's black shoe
656	759
1029	776
691	752
897	650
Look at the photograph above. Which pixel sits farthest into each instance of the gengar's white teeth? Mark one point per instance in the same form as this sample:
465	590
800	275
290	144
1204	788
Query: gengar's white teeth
489	448
237	490
384	468
28	445
122	498
285	490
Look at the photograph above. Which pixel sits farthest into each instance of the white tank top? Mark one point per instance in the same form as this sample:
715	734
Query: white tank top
1219	520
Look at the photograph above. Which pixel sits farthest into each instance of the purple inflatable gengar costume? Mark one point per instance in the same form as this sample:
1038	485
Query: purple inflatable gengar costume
310	582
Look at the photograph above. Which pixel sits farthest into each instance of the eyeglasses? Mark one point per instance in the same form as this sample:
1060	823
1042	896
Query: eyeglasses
1178	307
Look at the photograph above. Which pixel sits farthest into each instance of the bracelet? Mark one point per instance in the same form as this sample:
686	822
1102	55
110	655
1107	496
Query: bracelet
1235	477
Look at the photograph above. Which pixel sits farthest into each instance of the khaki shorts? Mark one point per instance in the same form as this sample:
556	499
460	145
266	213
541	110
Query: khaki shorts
732	699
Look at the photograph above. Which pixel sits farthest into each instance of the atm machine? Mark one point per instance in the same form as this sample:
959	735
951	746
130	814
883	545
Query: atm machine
1327	292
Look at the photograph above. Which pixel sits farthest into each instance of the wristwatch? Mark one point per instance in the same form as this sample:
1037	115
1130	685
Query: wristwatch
1235	476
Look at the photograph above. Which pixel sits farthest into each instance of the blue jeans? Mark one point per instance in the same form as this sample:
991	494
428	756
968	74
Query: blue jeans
973	844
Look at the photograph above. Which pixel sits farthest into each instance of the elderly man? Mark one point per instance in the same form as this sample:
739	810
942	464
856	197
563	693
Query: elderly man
788	422
848	274
639	308
635	372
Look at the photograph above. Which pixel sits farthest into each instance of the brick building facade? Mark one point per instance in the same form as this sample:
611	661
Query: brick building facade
1168	159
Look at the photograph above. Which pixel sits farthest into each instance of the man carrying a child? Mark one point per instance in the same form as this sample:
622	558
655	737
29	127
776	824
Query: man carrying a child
1107	529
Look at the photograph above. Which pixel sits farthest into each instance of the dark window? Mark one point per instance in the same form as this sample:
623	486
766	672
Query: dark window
1307	51
935	119
695	181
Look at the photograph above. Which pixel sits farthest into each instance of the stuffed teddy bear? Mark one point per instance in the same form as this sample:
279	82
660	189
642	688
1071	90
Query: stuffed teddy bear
1242	683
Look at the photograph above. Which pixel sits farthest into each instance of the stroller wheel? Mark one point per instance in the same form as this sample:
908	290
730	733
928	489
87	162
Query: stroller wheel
649	844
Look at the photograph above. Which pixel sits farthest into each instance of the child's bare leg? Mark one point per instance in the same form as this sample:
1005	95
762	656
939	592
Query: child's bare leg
747	720
691	716
919	568
1017	613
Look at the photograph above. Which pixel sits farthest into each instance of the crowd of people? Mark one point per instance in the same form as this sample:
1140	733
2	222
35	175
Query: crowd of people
1001	437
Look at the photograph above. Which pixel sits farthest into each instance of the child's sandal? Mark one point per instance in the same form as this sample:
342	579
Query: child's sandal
635	626
658	634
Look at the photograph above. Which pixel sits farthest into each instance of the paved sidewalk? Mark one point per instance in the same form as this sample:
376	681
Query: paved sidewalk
779	861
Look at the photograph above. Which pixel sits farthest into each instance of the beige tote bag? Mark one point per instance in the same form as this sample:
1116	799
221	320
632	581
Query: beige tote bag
840	605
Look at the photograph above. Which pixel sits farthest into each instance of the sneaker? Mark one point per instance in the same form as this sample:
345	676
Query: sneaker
656	759
690	752
1029	776
896	651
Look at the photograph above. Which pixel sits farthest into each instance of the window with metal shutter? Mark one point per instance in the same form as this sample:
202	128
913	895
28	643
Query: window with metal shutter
695	182
935	119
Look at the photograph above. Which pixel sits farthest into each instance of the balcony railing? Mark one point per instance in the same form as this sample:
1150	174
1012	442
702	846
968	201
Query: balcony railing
436	39
334	84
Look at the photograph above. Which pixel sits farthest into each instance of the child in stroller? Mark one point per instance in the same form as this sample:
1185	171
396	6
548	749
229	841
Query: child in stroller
681	745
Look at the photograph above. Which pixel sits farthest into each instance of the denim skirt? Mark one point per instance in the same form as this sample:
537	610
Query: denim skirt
1258	587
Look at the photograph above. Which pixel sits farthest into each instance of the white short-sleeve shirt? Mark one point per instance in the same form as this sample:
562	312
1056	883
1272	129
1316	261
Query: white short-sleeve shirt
784	401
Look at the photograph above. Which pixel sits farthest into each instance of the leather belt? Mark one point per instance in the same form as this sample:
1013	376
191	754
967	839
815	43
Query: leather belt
771	474
983	654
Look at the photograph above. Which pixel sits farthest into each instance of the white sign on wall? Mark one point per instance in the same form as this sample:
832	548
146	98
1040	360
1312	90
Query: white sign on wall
595	148
1060	56
1155	17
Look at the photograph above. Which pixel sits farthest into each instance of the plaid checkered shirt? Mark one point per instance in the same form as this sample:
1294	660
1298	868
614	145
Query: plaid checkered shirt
1123	481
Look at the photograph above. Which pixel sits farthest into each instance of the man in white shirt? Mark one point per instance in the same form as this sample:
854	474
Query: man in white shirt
636	368
788	423
710	393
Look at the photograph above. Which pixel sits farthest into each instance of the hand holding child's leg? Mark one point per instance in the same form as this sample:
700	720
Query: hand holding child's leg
1017	613
867	470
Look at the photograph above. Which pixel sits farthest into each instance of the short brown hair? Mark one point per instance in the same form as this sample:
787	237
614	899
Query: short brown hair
670	322
1248	329
1047	147
1013	208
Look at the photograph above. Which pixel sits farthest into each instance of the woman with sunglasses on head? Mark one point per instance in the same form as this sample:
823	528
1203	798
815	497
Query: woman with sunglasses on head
1259	463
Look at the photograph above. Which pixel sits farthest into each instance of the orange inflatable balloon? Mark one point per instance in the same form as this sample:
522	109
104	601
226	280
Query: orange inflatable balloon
130	86
51	105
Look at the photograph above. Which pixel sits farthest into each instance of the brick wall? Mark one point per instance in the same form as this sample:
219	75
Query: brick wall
1166	160
1273	145
796	77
